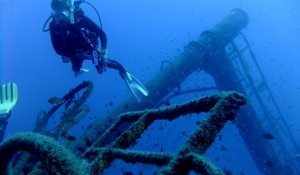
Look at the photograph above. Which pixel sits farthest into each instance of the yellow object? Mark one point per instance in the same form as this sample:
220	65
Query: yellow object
8	97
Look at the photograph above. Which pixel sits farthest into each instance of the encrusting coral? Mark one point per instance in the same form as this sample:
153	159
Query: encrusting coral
57	159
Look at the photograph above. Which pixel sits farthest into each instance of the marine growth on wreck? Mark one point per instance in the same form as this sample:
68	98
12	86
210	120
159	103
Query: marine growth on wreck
46	151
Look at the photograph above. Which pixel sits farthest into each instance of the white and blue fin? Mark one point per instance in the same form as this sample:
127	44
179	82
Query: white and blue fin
137	89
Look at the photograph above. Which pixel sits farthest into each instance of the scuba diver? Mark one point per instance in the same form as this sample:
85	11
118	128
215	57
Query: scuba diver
75	37
8	99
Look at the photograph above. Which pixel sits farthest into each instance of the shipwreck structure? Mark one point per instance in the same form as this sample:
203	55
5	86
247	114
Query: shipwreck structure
55	158
220	52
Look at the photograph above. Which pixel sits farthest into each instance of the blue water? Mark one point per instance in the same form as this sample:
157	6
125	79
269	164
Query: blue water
141	34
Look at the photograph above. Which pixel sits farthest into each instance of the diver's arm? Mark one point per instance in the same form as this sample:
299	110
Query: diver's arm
2	130
94	27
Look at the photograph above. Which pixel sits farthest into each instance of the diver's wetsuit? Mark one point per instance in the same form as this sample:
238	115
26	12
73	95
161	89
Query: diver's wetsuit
3	125
78	41
116	65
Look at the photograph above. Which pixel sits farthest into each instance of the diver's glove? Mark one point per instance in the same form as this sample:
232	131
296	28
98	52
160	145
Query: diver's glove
103	60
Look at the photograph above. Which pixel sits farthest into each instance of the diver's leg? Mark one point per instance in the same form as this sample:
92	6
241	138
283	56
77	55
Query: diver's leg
136	88
76	64
113	64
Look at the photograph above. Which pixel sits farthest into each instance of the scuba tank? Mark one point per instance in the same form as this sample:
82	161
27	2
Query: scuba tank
72	8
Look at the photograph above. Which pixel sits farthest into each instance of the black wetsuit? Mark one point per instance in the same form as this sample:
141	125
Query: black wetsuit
72	40
76	41
3	125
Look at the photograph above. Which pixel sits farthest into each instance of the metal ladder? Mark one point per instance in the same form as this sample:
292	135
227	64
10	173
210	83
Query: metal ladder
257	89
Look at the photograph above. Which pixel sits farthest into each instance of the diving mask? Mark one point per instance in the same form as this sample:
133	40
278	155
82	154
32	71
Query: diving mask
63	15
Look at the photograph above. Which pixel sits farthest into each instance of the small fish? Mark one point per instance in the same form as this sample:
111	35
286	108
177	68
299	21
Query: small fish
223	148
126	106
167	103
127	173
71	137
269	164
55	101
81	149
268	135
227	172
88	142
184	133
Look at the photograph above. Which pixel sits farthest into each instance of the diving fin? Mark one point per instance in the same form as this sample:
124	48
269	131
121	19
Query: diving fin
136	88
8	98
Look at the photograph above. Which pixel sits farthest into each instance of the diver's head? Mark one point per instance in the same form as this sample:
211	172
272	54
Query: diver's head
60	5
61	10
